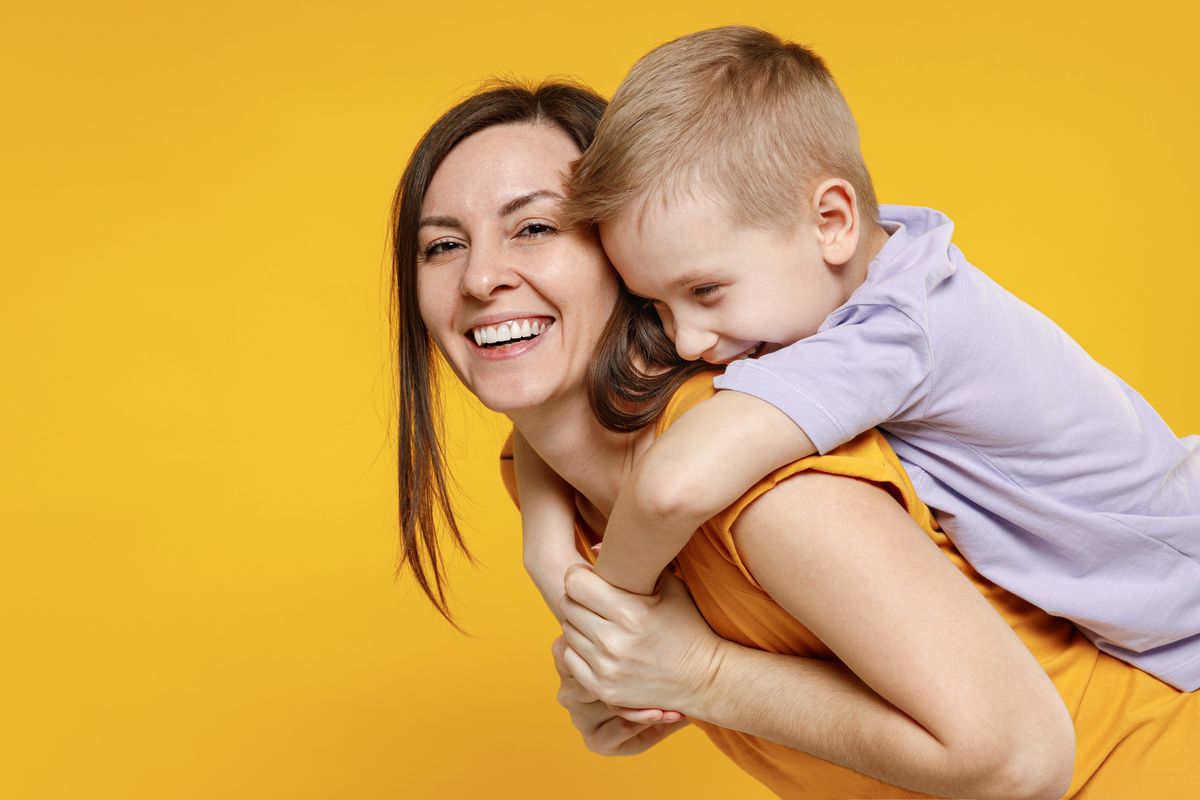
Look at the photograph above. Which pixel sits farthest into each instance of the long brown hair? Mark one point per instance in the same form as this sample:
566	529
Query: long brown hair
631	379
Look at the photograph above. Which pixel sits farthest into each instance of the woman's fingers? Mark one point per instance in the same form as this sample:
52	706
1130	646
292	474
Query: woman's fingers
591	591
619	737
581	648
649	737
576	664
570	691
583	619
613	735
654	716
557	648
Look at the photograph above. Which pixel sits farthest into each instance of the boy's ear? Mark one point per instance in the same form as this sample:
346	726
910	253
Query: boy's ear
837	220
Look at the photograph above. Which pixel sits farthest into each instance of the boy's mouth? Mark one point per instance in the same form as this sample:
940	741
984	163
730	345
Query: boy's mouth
749	353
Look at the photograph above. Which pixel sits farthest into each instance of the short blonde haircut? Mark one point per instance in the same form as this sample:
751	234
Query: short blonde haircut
734	113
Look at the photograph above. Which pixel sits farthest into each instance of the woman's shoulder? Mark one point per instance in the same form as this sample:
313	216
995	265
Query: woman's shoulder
694	391
867	457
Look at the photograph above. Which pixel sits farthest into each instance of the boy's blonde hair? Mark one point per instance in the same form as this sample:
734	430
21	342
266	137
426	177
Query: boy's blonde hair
736	113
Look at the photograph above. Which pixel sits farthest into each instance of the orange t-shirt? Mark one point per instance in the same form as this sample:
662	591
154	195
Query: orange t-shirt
1136	737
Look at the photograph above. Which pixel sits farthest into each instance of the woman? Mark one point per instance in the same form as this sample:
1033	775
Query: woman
848	650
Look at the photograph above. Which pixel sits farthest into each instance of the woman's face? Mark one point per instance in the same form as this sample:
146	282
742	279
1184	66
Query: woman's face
515	304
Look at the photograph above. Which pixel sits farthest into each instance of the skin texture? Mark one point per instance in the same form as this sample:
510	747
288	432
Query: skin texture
488	260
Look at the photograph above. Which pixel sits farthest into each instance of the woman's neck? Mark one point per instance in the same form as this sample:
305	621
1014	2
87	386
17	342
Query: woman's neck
586	455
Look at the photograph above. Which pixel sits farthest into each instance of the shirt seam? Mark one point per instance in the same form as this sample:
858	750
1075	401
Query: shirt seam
775	376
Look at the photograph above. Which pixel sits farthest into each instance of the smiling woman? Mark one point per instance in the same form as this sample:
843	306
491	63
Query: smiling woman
797	601
495	259
570	112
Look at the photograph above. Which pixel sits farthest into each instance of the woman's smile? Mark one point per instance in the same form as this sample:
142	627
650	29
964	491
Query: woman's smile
509	338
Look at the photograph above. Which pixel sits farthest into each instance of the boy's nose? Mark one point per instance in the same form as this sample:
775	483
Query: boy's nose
692	343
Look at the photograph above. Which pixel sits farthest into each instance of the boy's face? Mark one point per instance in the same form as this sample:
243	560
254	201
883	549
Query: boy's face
723	290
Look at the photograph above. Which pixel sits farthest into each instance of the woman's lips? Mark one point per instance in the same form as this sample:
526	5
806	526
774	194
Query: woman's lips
507	329
503	350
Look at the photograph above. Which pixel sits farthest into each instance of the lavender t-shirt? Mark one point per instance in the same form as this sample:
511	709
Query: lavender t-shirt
1052	476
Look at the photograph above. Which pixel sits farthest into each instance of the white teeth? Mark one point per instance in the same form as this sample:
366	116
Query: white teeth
510	330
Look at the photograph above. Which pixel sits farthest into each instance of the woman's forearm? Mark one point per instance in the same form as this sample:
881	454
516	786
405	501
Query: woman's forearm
546	570
822	708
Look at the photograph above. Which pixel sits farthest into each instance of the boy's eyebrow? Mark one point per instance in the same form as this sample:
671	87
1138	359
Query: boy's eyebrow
517	203
691	276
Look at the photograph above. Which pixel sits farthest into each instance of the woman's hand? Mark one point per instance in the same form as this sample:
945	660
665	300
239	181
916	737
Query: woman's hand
634	650
604	730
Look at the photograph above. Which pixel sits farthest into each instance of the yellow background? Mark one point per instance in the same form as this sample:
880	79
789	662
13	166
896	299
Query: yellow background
196	463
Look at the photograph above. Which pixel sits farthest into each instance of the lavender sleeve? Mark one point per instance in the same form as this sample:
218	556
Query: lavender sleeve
868	364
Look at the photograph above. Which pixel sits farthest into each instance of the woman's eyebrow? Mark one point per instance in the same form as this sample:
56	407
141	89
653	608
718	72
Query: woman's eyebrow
517	203
439	222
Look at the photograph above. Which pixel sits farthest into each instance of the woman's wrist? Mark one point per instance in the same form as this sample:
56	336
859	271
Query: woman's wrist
711	696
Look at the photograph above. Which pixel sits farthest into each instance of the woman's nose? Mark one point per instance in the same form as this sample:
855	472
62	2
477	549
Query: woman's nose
486	272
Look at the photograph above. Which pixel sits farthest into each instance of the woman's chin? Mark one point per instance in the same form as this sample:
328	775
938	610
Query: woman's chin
509	398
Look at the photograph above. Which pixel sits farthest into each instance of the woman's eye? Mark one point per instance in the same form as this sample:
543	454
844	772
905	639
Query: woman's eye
708	290
535	229
440	248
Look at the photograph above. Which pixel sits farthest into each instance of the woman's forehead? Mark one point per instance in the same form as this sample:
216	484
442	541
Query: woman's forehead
489	168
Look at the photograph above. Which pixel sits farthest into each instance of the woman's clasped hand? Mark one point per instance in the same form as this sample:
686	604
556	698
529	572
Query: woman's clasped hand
637	651
609	730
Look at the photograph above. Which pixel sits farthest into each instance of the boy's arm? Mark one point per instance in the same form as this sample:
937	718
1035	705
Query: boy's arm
547	523
699	466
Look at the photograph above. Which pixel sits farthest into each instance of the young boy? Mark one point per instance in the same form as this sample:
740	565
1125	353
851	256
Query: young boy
729	189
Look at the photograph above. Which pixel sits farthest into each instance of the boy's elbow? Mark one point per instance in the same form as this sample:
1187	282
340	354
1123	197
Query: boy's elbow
671	493
1038	767
1044	777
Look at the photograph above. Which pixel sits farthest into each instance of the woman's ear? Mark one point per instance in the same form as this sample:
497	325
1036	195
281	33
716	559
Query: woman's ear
837	220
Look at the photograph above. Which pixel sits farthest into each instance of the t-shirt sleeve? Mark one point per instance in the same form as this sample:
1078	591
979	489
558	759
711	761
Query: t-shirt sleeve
866	457
868	365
